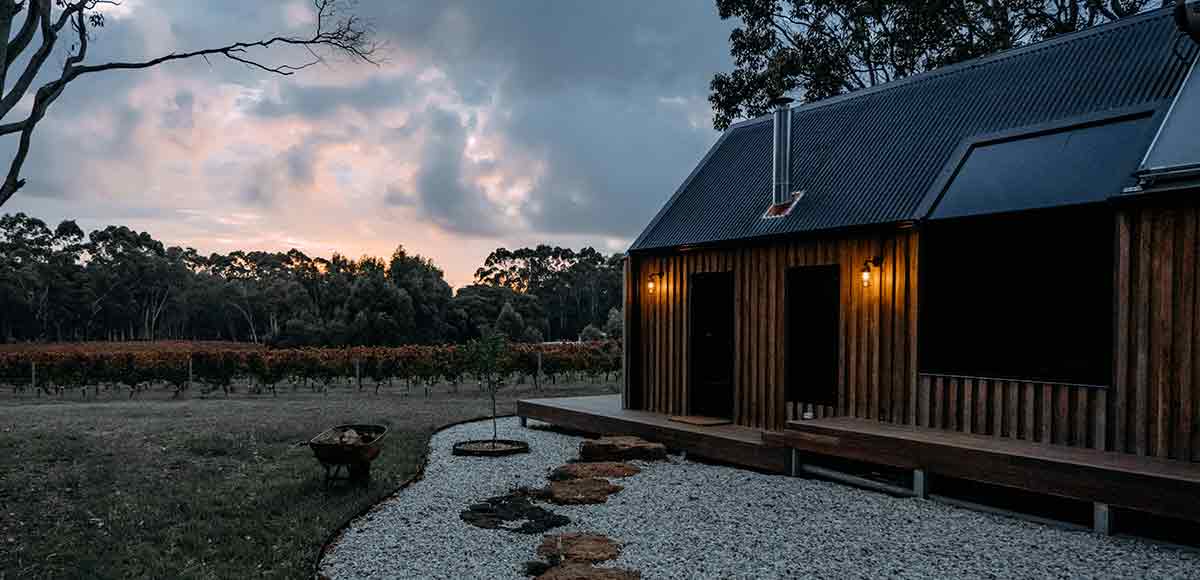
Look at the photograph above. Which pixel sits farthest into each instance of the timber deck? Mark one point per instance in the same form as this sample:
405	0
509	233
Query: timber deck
603	415
1161	486
1150	484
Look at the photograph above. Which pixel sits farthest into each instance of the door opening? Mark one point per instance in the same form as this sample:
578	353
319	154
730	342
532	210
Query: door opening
813	313
712	344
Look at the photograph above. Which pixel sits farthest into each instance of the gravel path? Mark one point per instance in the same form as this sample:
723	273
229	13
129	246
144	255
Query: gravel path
689	520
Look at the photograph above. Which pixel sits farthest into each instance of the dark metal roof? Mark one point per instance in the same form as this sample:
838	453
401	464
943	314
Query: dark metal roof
873	156
1079	164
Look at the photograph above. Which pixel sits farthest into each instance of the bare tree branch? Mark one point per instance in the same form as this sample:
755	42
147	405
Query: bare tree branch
333	31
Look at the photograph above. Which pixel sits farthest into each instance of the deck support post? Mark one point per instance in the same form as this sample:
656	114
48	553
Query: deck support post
524	421
1101	518
920	484
793	466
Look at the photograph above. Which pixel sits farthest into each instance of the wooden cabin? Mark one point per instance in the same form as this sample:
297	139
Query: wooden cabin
988	271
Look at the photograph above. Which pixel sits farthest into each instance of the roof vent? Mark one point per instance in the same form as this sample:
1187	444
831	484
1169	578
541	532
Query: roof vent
1187	18
781	157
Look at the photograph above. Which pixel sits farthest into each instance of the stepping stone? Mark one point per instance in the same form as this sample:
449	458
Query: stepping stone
584	571
579	491
577	547
621	448
504	512
597	469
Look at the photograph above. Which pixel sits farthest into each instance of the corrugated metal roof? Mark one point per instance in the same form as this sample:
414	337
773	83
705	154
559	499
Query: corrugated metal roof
872	156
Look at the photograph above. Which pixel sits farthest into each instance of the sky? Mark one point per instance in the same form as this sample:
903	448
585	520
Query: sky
486	124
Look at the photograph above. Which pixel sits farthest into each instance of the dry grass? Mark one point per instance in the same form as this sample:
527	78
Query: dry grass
197	488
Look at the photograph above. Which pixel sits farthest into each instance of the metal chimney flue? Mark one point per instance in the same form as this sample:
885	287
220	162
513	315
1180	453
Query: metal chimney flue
1187	18
781	156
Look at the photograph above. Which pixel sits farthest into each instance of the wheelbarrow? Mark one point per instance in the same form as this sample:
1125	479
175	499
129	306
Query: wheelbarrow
346	452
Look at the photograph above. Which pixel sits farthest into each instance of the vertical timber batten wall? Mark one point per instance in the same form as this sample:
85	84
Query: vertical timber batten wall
877	335
1151	408
1155	404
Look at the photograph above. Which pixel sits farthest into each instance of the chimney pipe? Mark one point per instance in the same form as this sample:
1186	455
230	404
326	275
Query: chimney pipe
1187	18
781	157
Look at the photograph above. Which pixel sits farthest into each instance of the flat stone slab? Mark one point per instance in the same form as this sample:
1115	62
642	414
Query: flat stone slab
514	513
578	547
606	469
586	491
621	448
585	571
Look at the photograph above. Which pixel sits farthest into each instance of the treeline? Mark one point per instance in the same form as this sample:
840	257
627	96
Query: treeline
58	284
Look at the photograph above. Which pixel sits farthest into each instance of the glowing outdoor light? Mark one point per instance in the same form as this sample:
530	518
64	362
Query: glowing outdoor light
866	269
652	286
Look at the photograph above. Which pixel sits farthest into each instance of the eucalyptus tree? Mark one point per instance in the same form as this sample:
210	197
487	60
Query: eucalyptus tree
820	48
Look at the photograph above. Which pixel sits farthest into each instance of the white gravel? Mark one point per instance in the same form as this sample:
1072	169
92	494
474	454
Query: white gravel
690	520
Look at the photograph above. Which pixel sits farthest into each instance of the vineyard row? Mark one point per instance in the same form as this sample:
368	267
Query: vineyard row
220	367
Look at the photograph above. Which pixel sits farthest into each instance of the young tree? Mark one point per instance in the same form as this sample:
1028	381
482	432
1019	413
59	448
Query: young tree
821	48
485	356
335	31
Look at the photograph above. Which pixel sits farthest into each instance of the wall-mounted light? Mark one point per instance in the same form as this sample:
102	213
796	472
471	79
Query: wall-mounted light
877	261
654	282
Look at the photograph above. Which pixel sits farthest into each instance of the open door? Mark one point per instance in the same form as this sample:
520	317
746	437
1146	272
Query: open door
813	311
712	344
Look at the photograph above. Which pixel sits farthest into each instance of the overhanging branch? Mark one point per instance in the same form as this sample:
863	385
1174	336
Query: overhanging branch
347	34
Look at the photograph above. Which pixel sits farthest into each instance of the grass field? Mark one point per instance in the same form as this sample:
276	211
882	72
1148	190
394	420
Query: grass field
198	488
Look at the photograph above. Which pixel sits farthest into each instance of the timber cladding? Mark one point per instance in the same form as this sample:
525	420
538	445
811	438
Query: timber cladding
1151	407
877	332
1155	405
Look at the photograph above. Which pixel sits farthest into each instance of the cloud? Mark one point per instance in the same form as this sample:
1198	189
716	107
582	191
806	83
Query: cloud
488	124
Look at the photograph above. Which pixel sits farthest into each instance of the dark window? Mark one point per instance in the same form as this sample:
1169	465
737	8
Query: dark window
1024	296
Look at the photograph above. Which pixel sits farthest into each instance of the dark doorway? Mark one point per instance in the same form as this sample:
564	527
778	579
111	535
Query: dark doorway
712	344
813	311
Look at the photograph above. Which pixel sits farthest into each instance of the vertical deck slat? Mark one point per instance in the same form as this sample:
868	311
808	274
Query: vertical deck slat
1029	415
926	386
1083	399
939	396
982	401
967	403
1046	432
1011	418
953	404
996	402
